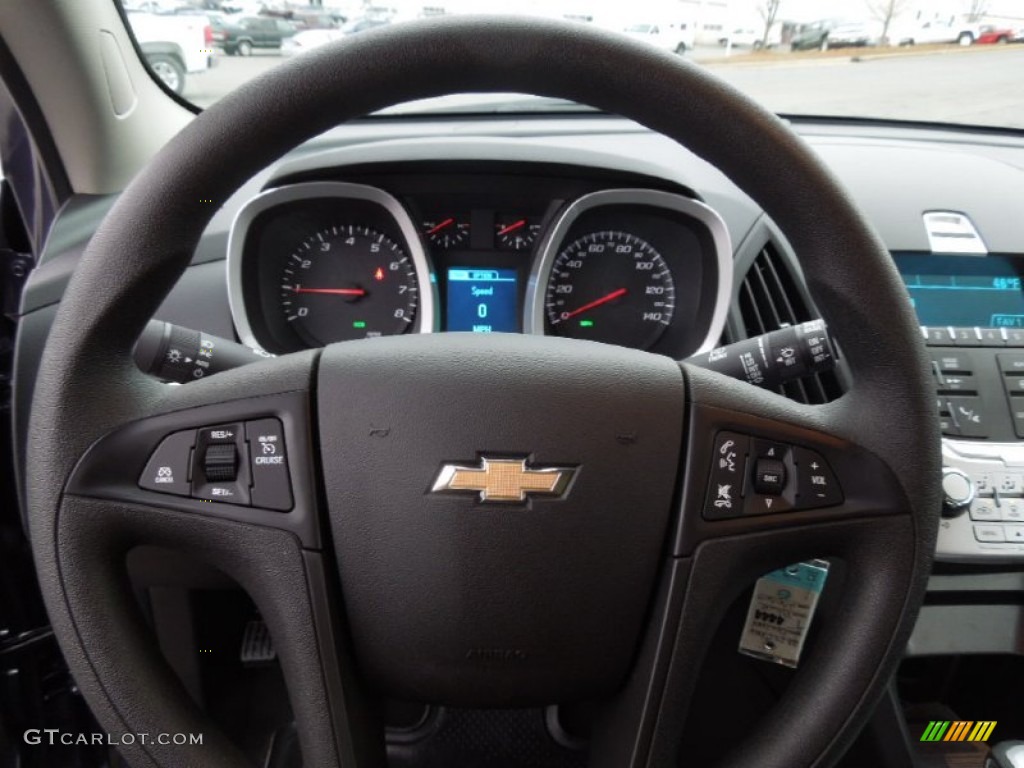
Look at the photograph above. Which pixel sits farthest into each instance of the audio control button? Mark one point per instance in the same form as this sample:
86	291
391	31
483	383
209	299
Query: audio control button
985	510
989	533
1012	510
1009	483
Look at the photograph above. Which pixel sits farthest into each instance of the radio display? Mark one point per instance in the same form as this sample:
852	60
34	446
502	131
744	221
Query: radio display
982	291
483	300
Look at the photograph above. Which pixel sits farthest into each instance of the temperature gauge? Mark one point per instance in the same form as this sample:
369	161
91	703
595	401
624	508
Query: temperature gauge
447	232
515	233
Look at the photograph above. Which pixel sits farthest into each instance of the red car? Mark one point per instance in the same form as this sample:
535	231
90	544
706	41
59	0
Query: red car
992	35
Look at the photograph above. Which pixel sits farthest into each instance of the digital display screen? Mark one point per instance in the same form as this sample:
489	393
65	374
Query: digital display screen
483	300
964	290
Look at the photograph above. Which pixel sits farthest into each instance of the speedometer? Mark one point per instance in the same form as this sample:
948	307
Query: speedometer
613	287
348	282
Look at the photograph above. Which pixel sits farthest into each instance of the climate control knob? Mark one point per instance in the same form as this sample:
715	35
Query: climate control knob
957	492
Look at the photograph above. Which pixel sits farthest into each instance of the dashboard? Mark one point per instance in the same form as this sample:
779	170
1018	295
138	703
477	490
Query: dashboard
480	248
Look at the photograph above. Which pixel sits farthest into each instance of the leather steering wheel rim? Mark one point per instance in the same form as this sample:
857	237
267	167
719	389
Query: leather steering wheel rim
88	388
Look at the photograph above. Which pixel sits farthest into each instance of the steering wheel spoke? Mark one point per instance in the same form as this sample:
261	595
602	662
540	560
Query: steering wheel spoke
833	500
759	462
222	470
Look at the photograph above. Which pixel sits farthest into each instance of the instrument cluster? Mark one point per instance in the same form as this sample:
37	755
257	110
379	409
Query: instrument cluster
316	262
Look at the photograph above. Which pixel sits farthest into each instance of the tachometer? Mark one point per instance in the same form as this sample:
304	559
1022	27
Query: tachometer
613	287
348	282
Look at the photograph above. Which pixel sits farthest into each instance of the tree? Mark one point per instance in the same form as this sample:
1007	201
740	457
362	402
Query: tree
887	10
769	10
977	9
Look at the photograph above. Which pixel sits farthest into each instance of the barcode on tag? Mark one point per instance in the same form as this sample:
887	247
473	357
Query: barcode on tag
780	612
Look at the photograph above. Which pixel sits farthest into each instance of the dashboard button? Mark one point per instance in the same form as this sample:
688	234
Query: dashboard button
992	337
938	336
167	470
1011	362
1009	483
728	469
989	533
968	416
966	337
1011	510
957	491
951	362
1014	337
1014	532
1014	384
983	484
957	383
985	510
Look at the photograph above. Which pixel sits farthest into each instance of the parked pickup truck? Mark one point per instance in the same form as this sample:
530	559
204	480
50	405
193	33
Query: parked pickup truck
938	32
174	45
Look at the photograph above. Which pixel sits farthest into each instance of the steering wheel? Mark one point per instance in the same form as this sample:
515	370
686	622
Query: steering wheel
607	588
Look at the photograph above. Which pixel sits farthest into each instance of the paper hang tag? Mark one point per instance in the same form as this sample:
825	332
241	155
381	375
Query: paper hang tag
780	612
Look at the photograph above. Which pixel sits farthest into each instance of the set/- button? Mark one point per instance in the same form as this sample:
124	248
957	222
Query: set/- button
222	466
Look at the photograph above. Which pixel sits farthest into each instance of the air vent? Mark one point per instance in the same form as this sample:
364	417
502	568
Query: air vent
770	299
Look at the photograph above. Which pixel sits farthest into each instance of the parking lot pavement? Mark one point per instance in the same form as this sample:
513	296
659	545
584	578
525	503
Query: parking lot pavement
979	87
228	73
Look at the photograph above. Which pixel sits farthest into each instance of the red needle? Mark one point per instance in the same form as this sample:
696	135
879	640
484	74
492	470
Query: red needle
512	227
596	303
439	227
333	291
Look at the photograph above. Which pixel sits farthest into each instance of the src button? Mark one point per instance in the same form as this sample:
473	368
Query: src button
770	476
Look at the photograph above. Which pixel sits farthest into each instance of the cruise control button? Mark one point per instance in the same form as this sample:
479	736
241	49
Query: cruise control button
728	468
167	470
271	487
984	510
228	480
816	484
989	533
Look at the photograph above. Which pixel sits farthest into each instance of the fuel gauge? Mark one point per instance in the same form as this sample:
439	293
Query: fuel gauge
516	233
447	232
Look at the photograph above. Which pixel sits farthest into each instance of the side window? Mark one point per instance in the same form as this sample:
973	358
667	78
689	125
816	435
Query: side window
654	29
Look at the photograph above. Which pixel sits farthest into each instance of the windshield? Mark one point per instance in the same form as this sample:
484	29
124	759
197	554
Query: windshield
946	61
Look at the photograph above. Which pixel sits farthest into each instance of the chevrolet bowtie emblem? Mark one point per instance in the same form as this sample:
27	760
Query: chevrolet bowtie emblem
503	479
